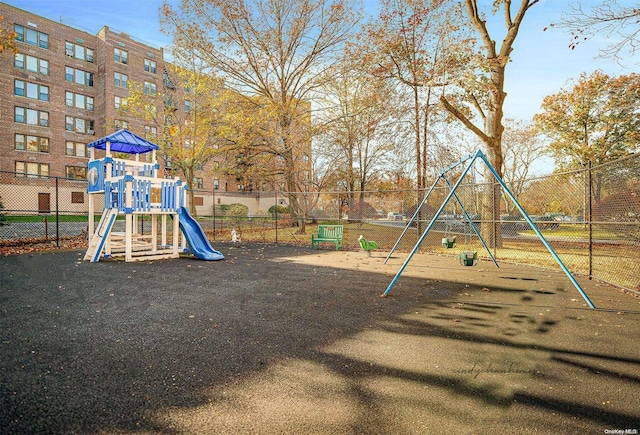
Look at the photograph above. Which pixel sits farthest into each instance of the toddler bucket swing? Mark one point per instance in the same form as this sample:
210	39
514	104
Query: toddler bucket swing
449	242
468	257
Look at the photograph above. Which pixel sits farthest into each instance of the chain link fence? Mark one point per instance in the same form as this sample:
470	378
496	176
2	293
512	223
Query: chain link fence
33	209
590	218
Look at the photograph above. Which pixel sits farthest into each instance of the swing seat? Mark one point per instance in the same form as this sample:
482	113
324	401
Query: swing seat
367	245
469	258
449	242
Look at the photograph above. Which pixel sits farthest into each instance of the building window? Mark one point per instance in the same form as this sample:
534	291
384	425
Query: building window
31	64
78	51
79	76
76	172
78	100
19	61
76	149
79	125
77	197
31	37
32	169
152	110
120	80
216	184
120	102
149	88
120	56
32	143
198	183
32	117
119	124
168	102
150	66
19	31
150	132
187	106
31	90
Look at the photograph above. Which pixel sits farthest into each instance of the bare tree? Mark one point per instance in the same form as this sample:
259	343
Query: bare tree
522	145
356	114
273	51
410	44
610	19
485	90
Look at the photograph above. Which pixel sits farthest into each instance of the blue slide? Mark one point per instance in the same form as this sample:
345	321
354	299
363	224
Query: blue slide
196	239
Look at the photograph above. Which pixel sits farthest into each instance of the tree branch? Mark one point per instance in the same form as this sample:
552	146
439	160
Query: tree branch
470	125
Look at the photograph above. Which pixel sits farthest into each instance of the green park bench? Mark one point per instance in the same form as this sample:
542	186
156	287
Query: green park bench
327	234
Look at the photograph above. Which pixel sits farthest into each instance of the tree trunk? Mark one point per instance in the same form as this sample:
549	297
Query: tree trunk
421	226
418	142
493	140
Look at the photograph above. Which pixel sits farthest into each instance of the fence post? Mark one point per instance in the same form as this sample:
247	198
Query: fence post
590	215
213	210
57	214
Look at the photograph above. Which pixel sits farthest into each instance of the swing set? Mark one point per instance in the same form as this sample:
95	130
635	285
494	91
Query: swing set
470	258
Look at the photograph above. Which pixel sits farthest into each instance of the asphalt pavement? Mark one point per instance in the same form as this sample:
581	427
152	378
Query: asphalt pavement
283	339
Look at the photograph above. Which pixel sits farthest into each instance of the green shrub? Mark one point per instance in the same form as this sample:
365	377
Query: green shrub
237	210
237	213
279	209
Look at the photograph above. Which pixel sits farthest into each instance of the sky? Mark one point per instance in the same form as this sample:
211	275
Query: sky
542	62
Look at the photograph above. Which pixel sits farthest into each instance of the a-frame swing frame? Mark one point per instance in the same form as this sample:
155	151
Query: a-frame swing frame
442	176
471	159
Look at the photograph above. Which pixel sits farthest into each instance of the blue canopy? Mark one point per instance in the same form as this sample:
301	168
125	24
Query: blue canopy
123	141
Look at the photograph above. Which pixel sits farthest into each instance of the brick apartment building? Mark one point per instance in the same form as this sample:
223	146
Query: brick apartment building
62	91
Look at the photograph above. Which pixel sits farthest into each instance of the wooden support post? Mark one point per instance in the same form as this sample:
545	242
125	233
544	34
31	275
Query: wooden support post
176	232
164	230
128	201
154	232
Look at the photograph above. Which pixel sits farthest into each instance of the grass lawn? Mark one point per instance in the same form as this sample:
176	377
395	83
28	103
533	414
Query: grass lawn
578	231
50	218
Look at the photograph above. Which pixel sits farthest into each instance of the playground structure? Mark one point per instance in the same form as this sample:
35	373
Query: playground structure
471	258
133	189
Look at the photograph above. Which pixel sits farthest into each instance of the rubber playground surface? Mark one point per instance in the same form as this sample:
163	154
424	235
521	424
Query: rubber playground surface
284	339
